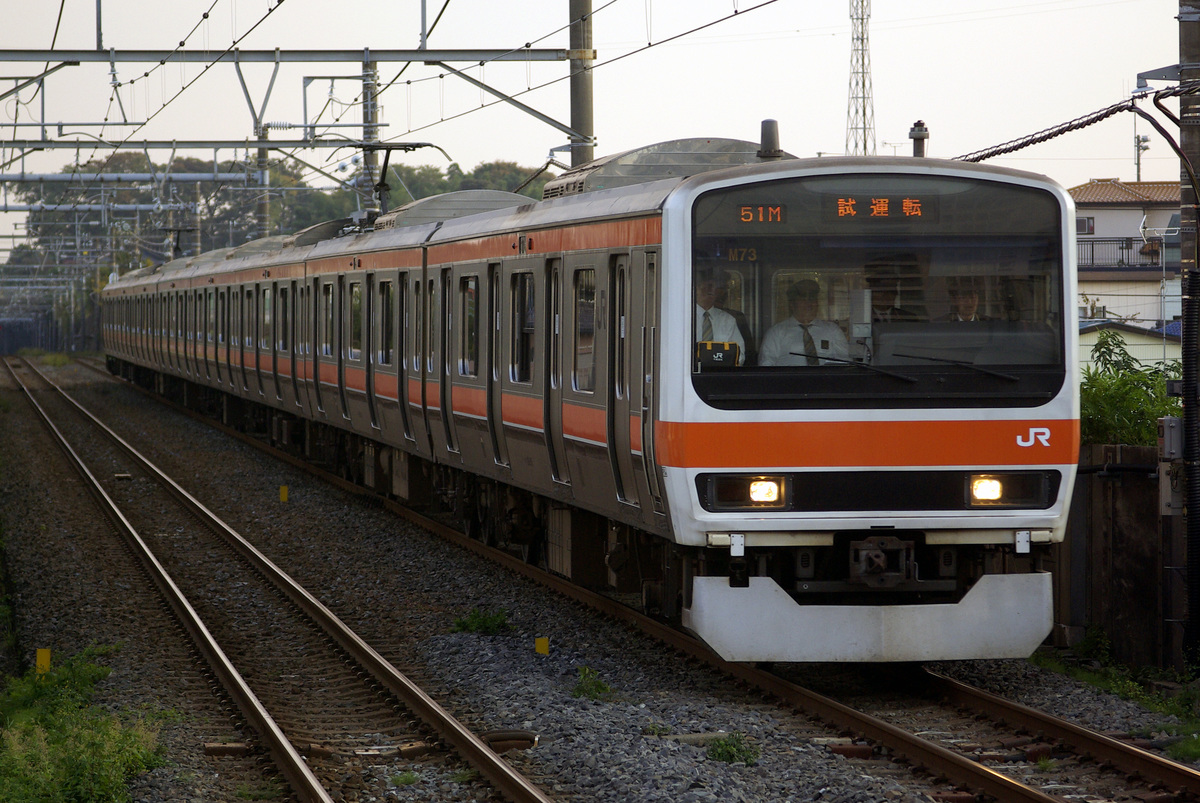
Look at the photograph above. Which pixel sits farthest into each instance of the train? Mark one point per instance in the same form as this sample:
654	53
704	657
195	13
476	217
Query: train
808	410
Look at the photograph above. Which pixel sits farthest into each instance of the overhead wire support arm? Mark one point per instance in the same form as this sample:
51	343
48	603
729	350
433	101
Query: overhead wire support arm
566	129
36	78
289	56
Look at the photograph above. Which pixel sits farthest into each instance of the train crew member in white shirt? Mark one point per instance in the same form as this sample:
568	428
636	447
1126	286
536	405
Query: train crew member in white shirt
804	339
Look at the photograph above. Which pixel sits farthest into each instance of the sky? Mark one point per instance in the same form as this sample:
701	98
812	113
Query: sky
977	72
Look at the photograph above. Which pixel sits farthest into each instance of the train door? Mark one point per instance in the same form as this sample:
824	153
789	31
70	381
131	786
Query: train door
222	346
287	336
416	360
194	331
495	364
236	325
553	399
268	379
445	373
620	449
339	345
182	335
323	324
646	378
205	333
246	334
400	310
302	353
258	326
370	357
168	330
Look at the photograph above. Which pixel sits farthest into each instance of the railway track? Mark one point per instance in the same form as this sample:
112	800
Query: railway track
1107	768
273	645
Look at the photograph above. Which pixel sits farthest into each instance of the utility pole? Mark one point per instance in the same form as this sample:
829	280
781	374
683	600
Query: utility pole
370	166
262	215
581	82
1189	142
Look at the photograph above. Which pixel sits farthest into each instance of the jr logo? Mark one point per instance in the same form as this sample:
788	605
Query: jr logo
1036	434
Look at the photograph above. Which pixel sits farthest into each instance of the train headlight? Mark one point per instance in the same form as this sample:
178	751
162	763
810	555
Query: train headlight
741	492
1011	489
764	492
985	489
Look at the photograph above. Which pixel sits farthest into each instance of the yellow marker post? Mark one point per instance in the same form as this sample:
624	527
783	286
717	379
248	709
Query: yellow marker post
541	645
282	493
43	660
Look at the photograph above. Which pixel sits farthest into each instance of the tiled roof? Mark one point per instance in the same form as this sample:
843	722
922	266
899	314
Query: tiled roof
1113	191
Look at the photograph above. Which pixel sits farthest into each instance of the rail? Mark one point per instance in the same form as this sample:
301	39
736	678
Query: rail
472	748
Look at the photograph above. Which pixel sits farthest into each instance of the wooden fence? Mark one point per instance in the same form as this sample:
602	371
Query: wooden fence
1122	566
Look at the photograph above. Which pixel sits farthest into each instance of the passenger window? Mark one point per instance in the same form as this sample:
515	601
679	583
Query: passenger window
355	321
469	335
386	323
284	335
327	328
524	322
264	333
583	370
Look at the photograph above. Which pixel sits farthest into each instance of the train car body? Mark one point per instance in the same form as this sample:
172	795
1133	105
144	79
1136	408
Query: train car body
811	410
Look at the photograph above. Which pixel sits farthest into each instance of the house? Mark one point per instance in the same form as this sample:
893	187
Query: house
1128	251
1147	346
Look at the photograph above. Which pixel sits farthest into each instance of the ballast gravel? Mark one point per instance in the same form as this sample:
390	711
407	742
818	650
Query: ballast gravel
642	739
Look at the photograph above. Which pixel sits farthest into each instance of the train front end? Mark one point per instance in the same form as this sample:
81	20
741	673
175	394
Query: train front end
867	418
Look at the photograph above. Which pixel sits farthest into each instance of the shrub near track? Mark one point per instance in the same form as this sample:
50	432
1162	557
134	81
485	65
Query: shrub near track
55	745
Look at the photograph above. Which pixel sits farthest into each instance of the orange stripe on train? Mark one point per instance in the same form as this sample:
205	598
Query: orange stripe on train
867	443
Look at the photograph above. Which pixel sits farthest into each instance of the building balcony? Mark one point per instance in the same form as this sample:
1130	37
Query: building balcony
1123	254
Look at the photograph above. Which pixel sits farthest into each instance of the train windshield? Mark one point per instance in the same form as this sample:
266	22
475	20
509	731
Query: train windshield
878	290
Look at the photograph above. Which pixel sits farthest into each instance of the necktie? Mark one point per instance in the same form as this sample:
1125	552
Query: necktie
810	348
706	332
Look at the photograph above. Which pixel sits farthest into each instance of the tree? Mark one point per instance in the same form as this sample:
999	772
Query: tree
1120	400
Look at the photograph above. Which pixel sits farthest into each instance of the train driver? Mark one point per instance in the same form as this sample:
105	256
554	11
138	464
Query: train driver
713	324
804	339
964	300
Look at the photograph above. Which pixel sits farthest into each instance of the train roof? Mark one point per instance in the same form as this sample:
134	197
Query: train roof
474	213
676	158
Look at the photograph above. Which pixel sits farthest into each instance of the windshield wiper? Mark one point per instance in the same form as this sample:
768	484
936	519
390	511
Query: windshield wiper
874	368
972	365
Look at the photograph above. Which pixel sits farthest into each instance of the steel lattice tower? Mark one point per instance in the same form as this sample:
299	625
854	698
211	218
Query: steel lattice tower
860	115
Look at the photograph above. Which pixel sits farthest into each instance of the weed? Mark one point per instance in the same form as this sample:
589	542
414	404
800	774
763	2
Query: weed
656	729
265	791
55	360
406	778
1186	751
733	749
590	685
465	776
489	624
1046	764
57	746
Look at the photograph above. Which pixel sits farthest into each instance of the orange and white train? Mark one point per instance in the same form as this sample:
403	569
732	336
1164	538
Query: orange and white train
809	409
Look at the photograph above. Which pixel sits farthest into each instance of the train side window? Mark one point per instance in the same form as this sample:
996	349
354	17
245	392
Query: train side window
524	325
249	320
283	337
355	321
327	319
386	323
583	374
431	318
468	361
264	331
